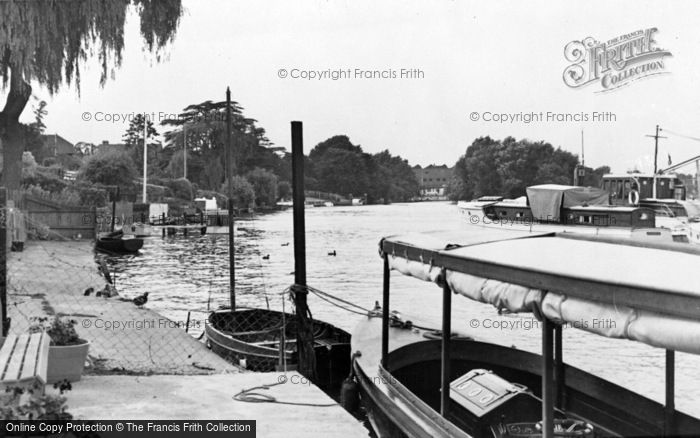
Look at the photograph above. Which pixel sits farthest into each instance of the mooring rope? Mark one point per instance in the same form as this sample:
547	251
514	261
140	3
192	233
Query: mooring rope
248	396
328	297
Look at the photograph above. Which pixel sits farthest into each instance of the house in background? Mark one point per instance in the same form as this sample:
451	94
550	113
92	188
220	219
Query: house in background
106	146
433	181
55	146
154	148
57	150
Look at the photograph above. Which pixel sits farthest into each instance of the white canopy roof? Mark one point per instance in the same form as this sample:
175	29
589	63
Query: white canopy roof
648	294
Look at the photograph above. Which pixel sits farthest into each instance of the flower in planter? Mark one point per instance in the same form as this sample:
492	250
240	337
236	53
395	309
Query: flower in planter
30	404
61	330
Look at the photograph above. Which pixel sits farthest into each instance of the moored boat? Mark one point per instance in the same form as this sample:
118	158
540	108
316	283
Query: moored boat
265	340
664	193
116	242
419	383
570	209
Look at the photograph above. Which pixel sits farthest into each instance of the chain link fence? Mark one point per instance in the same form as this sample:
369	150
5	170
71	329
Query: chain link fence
165	309
51	275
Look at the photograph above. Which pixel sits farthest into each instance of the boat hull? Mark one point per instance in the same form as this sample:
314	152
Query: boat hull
474	215
403	398
118	245
254	337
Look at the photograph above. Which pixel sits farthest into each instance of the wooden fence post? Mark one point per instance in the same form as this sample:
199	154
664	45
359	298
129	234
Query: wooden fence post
3	262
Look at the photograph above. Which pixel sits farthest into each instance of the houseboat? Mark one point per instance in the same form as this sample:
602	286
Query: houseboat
419	383
570	209
664	193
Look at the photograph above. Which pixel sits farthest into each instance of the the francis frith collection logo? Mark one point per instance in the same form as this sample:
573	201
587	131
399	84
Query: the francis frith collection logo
616	62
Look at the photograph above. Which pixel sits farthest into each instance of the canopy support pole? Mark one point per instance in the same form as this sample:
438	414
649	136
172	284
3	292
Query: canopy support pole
385	312
559	377
670	407
446	339
547	379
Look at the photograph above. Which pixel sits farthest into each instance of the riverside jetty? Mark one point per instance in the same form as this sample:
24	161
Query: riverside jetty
154	371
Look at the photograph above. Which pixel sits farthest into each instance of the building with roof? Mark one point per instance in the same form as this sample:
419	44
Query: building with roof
433	181
56	146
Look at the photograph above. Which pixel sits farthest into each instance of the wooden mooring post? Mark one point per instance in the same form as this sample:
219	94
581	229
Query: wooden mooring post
305	351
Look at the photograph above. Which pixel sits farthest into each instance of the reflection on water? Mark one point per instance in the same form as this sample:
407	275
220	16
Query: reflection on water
191	274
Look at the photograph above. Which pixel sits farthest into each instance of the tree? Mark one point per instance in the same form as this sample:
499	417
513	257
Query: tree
243	192
134	133
265	186
340	167
33	132
48	43
594	177
284	190
204	125
343	172
479	168
455	189
113	168
395	177
181	188
508	167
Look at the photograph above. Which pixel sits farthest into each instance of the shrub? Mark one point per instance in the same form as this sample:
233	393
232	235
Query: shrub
113	167
46	178
61	330
29	165
91	195
24	404
243	192
265	186
64	197
284	190
181	188
156	193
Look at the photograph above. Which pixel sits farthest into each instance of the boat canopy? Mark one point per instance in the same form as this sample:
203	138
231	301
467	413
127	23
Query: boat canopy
547	200
692	208
639	293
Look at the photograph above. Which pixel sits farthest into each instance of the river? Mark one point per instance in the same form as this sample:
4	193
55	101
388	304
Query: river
190	274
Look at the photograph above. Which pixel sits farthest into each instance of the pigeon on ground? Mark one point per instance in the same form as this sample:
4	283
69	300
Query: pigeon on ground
141	299
88	291
332	253
285	244
266	257
108	292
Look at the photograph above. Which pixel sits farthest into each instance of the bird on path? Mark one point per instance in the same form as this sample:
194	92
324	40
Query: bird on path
141	299
285	244
88	291
266	257
332	253
108	292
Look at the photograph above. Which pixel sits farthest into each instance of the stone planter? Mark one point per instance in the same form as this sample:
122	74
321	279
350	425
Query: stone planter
66	362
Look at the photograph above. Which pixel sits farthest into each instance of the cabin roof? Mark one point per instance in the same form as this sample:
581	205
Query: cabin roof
525	272
546	200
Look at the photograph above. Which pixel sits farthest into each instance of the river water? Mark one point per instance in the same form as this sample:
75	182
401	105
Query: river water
191	274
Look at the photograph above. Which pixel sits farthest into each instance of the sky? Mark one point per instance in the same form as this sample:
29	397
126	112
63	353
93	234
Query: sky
467	58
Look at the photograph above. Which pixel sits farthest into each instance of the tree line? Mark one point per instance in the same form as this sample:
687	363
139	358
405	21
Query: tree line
507	167
262	172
